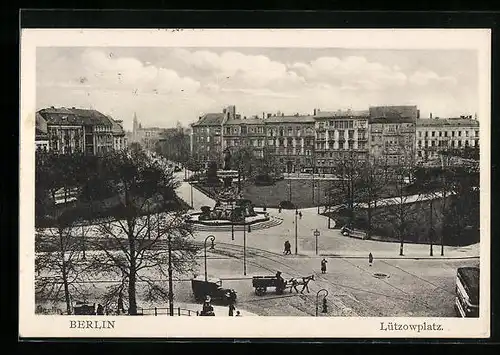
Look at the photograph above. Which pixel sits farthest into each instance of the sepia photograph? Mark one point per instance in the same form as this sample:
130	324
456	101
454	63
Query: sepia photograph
177	175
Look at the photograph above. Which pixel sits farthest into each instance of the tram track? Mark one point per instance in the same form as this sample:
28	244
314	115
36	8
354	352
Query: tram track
278	259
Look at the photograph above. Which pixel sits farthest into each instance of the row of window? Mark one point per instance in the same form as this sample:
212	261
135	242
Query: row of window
446	133
451	143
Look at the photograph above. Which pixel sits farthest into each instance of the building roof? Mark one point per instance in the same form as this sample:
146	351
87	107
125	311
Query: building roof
342	113
290	119
117	128
446	122
393	112
248	120
391	120
74	116
210	119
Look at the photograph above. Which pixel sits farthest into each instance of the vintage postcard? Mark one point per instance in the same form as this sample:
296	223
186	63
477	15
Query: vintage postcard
325	183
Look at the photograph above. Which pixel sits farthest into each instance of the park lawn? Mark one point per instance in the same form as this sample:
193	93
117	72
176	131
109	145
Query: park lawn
301	193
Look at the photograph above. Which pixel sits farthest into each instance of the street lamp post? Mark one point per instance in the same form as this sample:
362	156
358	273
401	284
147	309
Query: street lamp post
212	239
170	283
316	235
317	298
296	214
244	247
232	221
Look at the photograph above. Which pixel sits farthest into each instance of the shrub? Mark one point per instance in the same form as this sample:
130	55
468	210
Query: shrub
287	205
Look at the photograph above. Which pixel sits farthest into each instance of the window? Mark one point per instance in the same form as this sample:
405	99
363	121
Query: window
440	133
477	133
420	133
459	143
446	133
281	142
351	133
466	133
350	124
433	134
453	133
426	134
351	145
459	133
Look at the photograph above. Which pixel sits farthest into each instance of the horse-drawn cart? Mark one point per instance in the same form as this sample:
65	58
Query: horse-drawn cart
262	283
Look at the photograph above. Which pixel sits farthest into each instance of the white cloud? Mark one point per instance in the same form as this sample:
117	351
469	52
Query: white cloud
234	69
426	77
353	71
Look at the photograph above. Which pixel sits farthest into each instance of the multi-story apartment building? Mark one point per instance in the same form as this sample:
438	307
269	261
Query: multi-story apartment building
434	135
206	137
77	130
245	132
392	134
119	138
340	135
291	139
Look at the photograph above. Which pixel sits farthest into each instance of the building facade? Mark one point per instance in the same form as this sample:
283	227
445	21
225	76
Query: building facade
392	134
119	137
340	135
206	138
434	135
72	130
291	139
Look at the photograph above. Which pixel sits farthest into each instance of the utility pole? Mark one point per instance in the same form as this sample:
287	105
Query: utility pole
431	230
296	213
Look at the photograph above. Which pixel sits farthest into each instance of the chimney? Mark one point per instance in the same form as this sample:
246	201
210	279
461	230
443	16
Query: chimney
418	113
314	112
263	115
268	115
430	115
282	114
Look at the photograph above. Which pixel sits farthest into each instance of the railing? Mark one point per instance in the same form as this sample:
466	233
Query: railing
156	311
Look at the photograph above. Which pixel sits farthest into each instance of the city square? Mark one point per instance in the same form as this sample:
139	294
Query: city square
242	210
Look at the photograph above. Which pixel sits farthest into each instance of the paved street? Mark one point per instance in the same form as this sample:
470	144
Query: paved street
414	284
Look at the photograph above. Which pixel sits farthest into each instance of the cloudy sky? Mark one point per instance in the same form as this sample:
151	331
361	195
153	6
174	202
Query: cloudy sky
166	85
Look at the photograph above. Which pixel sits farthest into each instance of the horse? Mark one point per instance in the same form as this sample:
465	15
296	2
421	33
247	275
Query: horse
304	281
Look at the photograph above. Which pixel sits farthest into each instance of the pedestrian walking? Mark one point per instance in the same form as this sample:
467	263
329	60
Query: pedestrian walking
300	214
323	266
279	209
370	259
232	308
288	247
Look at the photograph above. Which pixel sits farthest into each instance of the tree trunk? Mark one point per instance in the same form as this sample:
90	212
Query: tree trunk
132	307
64	274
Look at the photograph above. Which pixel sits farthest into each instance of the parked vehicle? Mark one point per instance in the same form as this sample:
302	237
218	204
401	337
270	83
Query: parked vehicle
213	288
467	292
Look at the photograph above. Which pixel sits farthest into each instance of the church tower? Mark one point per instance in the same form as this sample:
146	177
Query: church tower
135	128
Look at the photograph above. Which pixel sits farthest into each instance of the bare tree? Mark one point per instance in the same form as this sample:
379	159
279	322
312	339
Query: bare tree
373	181
349	171
140	248
401	212
58	263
